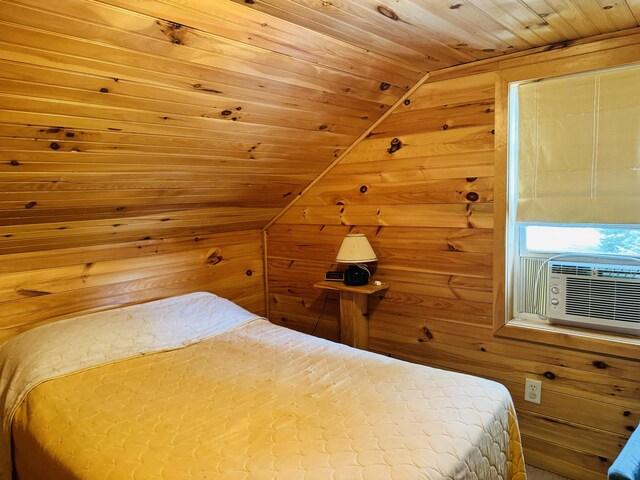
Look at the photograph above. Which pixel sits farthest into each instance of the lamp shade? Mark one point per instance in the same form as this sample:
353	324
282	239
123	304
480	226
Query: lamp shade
355	248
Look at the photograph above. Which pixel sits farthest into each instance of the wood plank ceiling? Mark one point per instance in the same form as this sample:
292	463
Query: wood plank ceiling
120	117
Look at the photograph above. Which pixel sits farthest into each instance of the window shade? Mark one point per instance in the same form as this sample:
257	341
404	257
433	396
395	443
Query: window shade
579	148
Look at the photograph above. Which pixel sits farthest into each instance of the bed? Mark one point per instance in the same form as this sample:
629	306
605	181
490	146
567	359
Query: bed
197	387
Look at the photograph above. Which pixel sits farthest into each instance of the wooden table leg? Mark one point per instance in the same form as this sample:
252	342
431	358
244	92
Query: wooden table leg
354	321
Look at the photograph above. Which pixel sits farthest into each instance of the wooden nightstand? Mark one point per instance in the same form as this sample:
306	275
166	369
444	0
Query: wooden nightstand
354	321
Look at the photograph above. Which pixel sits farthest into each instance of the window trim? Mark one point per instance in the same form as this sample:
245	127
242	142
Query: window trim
533	67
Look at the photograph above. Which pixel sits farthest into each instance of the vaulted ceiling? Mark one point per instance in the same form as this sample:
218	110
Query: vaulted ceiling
219	112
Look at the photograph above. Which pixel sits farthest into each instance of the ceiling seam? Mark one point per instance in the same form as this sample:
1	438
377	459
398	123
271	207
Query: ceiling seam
349	149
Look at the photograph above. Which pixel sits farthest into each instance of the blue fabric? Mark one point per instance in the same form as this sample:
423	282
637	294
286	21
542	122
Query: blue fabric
627	465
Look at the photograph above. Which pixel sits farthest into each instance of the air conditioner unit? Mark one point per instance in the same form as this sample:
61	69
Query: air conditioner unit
603	296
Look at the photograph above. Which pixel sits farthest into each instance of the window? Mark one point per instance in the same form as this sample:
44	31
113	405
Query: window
594	239
573	229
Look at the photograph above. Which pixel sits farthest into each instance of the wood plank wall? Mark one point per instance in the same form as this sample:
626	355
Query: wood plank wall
133	133
123	120
39	287
427	210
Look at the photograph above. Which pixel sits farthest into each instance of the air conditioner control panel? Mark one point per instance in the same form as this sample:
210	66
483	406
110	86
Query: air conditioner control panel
555	302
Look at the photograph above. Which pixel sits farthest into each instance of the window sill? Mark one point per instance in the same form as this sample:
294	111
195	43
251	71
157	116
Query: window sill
540	331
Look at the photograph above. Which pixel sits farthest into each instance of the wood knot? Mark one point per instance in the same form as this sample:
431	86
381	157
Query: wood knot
14	163
363	189
455	6
69	134
427	333
54	146
407	101
32	293
387	12
385	86
471	179
396	145
631	428
226	113
626	413
323	127
104	90
549	375
30	205
472	196
482	349
445	127
214	259
249	273
599	364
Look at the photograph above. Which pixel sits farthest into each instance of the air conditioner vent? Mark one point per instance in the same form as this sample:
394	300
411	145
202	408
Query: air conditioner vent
596	298
620	272
571	269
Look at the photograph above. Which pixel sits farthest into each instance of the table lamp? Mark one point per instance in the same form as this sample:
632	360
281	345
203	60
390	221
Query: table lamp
357	251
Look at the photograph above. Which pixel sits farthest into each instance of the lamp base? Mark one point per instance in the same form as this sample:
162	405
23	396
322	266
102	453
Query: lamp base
356	275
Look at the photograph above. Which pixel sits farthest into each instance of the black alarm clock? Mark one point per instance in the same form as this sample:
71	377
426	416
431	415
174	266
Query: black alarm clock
333	276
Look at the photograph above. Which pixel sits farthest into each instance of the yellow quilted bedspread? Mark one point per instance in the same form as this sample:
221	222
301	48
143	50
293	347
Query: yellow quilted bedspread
263	402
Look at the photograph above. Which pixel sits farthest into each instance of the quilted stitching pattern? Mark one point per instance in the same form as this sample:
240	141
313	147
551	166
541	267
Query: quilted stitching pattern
264	402
64	347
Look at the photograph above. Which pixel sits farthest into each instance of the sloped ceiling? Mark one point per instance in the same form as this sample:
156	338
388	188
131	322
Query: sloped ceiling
133	119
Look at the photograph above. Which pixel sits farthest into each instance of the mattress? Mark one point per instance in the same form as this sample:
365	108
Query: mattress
245	399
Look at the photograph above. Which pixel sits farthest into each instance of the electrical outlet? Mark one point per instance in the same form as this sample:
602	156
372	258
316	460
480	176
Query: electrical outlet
532	390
